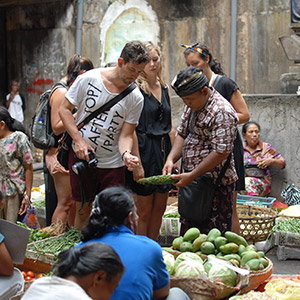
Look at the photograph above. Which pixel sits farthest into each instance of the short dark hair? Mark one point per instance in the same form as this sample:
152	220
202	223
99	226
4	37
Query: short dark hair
111	208
136	52
246	125
88	259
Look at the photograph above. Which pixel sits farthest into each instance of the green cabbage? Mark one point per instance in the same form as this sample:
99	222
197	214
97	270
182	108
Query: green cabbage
169	261
187	256
219	272
190	268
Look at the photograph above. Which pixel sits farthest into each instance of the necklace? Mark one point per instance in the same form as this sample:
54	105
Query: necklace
212	79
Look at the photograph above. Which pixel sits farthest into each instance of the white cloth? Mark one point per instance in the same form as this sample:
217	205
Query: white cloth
15	108
88	93
55	288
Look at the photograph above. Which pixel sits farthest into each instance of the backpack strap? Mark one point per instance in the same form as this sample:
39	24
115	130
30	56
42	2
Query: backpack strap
56	86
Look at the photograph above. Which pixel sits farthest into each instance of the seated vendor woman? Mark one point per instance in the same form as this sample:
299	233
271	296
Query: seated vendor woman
258	156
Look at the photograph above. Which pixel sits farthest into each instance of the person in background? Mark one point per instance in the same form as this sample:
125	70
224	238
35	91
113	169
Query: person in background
199	55
258	156
16	165
155	134
89	272
204	141
6	264
113	221
63	212
109	136
15	102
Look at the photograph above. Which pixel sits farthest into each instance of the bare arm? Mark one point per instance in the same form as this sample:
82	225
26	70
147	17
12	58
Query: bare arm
211	161
11	96
238	102
126	141
138	172
162	293
276	162
65	113
6	264
56	100
28	183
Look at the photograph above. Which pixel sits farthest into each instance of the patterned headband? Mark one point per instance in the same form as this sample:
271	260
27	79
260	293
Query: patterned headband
195	48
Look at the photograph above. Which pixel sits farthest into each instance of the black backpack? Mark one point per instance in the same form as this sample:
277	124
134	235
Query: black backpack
41	134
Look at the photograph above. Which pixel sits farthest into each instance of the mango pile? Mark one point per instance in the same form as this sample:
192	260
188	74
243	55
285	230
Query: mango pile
231	247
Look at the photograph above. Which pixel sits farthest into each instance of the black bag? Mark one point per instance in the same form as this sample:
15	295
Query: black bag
41	134
254	171
65	143
195	199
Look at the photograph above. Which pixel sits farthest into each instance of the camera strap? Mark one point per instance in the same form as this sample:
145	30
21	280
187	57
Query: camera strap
107	106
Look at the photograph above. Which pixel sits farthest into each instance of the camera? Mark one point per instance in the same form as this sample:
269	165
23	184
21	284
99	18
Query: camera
82	165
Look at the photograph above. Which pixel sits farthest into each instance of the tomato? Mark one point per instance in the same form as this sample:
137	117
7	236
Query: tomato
30	274
24	274
40	275
28	278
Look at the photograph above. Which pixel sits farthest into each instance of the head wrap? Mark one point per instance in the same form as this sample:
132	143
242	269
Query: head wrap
187	85
195	48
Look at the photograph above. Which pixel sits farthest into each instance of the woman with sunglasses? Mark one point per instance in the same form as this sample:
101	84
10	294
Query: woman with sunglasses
199	55
155	133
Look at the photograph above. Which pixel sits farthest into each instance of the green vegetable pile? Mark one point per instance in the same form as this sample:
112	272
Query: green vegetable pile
291	225
173	215
35	234
55	245
231	247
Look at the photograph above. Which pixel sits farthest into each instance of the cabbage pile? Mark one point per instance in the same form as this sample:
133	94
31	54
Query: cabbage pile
189	264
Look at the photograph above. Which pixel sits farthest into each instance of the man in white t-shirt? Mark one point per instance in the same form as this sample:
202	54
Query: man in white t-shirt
15	102
110	135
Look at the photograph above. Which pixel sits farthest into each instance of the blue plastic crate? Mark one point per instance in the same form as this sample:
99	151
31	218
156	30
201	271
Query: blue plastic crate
255	200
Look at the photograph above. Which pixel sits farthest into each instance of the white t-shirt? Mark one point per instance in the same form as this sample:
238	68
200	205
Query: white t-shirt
88	93
55	288
15	108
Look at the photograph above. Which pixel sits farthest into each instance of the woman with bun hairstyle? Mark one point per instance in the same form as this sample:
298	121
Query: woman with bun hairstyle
90	272
199	55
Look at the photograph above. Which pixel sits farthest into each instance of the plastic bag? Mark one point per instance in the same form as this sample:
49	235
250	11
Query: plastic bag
291	194
283	289
31	219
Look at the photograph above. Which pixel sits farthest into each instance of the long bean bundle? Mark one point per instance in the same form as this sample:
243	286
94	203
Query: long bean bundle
158	180
55	245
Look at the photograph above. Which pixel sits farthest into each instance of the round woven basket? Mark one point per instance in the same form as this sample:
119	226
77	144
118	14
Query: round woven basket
256	222
256	278
204	289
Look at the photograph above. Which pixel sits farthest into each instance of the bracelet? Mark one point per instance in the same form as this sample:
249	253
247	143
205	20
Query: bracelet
126	151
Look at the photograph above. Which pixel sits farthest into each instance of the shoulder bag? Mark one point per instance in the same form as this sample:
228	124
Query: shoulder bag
195	200
254	171
65	142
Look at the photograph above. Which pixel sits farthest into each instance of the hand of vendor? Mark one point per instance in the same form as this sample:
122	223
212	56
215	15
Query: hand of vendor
183	179
264	162
24	204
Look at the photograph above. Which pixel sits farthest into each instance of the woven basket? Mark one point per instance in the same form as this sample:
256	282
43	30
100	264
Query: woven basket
256	278
204	289
255	222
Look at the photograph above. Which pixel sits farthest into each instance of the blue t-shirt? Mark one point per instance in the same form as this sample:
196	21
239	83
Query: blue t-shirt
145	269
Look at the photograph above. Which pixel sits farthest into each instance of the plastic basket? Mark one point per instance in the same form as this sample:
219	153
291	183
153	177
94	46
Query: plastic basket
287	239
169	230
256	222
255	200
